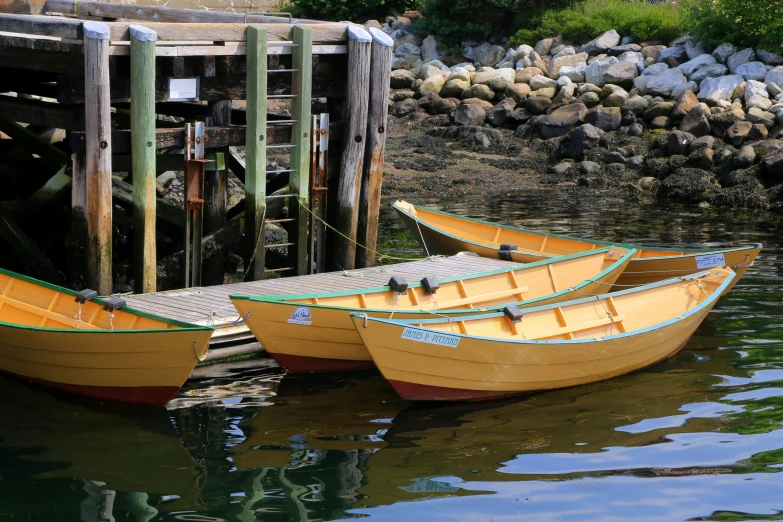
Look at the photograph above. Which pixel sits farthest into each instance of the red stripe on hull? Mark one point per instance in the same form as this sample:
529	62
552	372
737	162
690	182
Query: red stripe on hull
422	392
152	395
300	364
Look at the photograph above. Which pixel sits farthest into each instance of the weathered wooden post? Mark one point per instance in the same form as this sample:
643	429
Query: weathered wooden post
215	195
79	229
354	138
142	48
372	174
255	157
97	108
301	83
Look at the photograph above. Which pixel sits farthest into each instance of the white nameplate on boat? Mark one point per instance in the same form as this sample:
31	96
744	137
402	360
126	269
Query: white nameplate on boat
301	315
710	260
422	336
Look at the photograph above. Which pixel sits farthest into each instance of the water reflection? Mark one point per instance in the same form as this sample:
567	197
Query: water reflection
697	437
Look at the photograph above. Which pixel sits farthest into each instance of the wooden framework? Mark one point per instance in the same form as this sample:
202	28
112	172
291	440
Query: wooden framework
102	72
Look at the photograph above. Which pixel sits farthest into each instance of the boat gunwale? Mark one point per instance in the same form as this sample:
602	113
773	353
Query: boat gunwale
181	326
712	298
691	252
287	298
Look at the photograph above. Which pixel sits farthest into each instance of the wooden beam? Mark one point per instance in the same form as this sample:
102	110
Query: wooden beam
144	155
36	112
354	139
372	173
299	180
255	155
52	189
323	32
98	156
165	210
22	6
42	25
31	141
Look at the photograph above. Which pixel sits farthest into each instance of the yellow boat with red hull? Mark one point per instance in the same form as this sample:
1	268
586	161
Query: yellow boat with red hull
94	347
517	351
314	332
447	234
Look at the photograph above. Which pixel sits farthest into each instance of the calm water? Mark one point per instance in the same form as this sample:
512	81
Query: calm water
698	437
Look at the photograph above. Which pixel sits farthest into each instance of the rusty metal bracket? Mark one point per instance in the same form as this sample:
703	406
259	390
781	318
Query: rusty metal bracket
194	203
318	186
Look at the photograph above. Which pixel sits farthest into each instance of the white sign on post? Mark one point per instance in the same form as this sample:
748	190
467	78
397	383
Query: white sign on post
183	89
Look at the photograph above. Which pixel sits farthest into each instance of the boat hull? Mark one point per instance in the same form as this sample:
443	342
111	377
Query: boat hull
142	367
328	342
650	265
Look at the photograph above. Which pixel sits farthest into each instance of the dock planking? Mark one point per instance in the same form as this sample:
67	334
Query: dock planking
211	305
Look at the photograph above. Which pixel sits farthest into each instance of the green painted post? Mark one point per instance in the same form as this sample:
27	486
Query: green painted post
301	84
255	155
142	48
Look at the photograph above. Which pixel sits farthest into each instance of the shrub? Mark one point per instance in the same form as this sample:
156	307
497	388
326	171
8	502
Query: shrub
745	23
452	21
353	10
585	20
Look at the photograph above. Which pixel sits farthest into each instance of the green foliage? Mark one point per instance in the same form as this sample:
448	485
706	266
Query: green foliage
745	23
353	10
586	20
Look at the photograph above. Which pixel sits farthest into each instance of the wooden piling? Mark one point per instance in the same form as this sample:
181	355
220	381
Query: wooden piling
98	155
255	155
354	138
372	173
301	82
142	48
215	195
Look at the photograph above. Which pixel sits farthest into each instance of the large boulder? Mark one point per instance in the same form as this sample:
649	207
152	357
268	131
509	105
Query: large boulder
454	88
737	59
537	104
487	54
737	133
677	52
636	104
459	73
720	123
714	90
695	123
582	138
496	79
601	44
526	74
688	68
433	84
470	115
752	70
756	115
553	71
560	121
430	49
406	49
768	58
482	92
685	103
662	83
594	73
542	82
774	76
442	106
773	165
723	51
678	141
575	73
401	79
710	71
517	91
621	73
544	46
498	114
693	48
604	118
756	95
405	107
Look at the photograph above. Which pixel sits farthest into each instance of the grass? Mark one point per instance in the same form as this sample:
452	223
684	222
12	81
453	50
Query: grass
585	20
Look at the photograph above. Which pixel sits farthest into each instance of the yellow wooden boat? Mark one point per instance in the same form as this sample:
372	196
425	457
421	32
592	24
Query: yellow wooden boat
94	347
314	333
444	233
510	352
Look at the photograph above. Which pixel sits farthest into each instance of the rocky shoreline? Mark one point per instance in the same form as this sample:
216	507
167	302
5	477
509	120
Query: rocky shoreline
681	121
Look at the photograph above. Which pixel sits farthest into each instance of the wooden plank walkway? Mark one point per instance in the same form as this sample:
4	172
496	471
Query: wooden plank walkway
211	306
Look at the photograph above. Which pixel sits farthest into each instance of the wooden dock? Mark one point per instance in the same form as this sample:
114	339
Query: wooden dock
211	306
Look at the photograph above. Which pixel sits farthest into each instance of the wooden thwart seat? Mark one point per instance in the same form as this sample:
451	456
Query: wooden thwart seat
46	314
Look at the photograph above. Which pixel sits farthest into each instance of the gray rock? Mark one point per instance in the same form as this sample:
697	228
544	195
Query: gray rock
677	52
628	118
688	68
561	168
470	115
773	165
621	73
756	95
604	118
582	138
695	123
562	50
589	166
401	95
756	115
635	129
522	50
433	84
758	132
588	87
652	51
737	133
454	88
723	51
779	116
713	90
482	92
544	46
634	57
636	104
738	58
167	178
654	69
517	91
591	99
710	71
560	121
616	99
401	37
774	89
498	114
775	76
613	157
720	123
610	89
752	70
634	162
594	73
693	49
541	82
679	90
701	159
537	104
575	73
769	58
601	44
405	107
518	117
442	106
565	94
481	140
430	49
401	79
548	92
704	142
662	83
745	158
658	109
626	40
625	48
685	102
406	49
487	54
